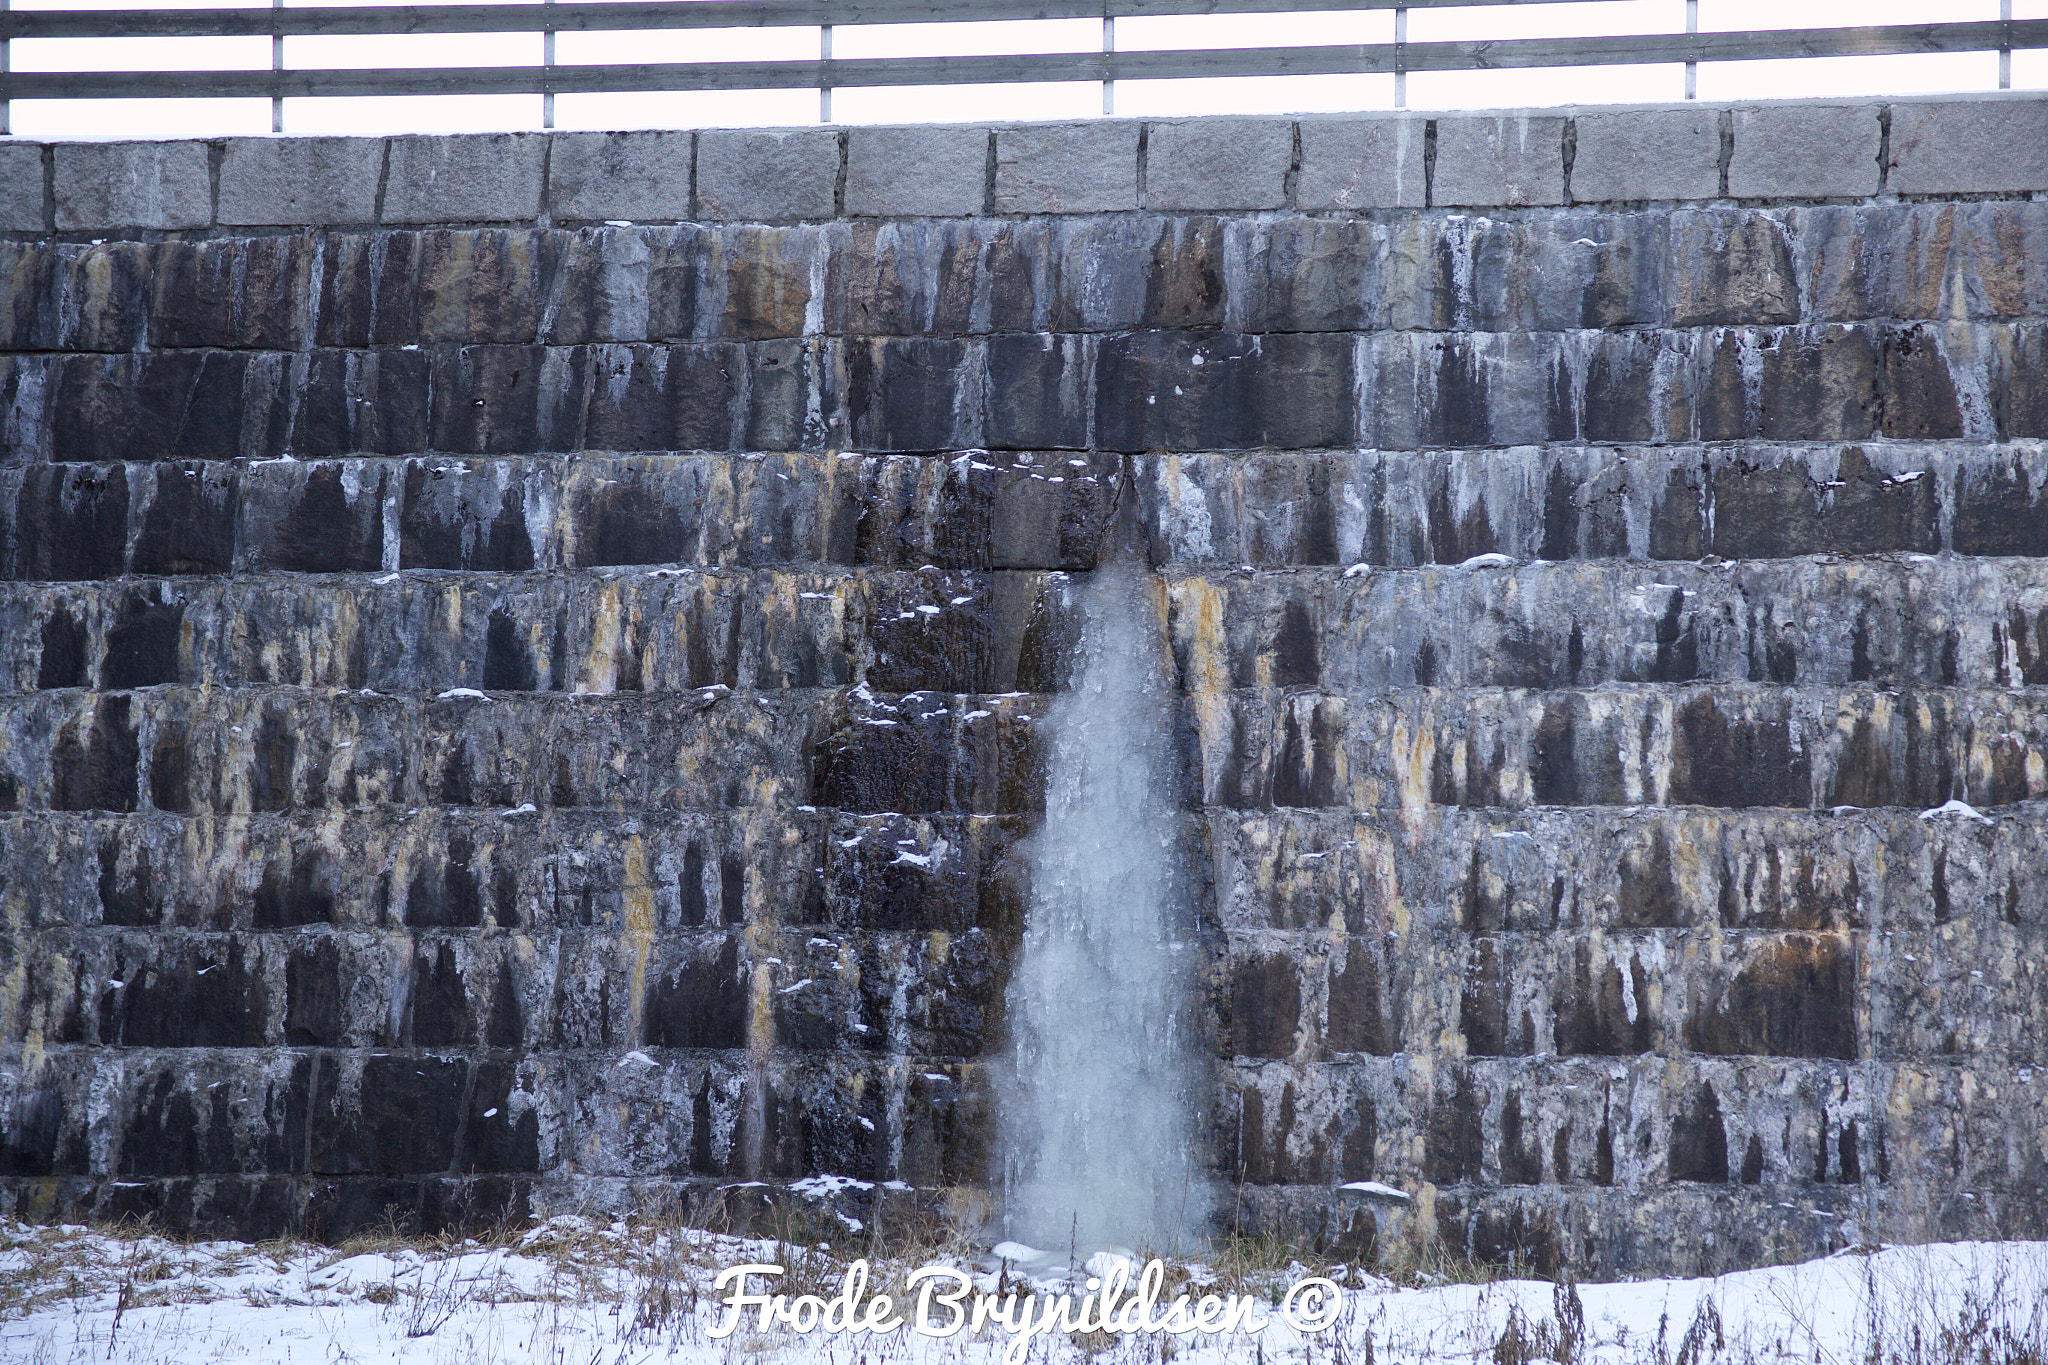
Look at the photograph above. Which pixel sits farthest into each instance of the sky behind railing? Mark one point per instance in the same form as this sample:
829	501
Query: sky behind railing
1718	81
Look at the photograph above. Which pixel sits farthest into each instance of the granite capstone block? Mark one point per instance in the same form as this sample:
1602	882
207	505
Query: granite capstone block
1217	164
1067	168
1969	146
1802	151
132	184
1361	163
312	181
21	187
1499	161
934	172
766	176
467	178
635	177
1646	155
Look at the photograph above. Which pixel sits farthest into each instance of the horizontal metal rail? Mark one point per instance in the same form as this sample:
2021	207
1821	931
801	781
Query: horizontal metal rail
582	18
1988	35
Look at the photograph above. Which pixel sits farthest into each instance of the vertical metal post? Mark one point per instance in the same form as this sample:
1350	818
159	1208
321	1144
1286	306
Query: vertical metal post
1692	69
6	105
1400	59
276	66
1108	46
2005	45
547	62
824	90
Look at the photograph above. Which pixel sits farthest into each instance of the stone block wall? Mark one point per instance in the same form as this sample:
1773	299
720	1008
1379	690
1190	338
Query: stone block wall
519	659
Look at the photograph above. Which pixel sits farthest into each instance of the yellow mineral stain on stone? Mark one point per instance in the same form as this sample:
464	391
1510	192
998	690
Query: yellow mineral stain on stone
1414	756
1200	612
600	672
638	939
451	621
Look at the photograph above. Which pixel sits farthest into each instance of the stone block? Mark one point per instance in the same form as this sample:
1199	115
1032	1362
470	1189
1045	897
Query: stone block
916	172
21	187
492	178
1970	146
1067	168
1805	151
132	184
322	181
1647	154
751	175
1217	163
1499	160
639	177
1361	163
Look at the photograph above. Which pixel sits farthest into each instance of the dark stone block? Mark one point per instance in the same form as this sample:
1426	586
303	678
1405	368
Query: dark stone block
1699	1142
1733	267
403	1120
1915	389
438	1014
1717	760
170	769
2019	394
188	524
1795	998
647	398
75	298
298	893
169	405
127	894
1485	1007
206	996
315	996
37	1141
69	524
880	763
1311	748
1265	1006
367	402
700	1003
274	755
509	400
144	647
636	513
1138	272
239	293
332	519
1451	1140
905	393
1819	384
500	1136
486	286
1999	511
1038	392
369	293
785	389
452	899
1221	391
1591	1008
63	661
94	766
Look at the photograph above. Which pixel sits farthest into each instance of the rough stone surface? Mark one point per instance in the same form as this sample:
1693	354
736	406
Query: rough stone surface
315	181
487	177
1646	155
766	177
594	765
132	185
1224	163
1067	168
1505	159
1969	146
916	172
641	176
1361	163
21	187
1816	151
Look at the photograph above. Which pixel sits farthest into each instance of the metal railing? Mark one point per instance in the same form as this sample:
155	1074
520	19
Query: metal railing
1107	66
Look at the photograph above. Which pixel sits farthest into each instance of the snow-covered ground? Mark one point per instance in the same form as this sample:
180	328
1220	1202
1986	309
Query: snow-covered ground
577	1292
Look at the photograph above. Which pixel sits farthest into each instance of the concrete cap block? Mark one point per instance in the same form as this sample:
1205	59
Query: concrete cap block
318	180
766	176
1486	161
1067	168
1805	151
1218	163
133	184
916	172
472	178
640	177
1975	146
21	187
1646	154
1361	163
